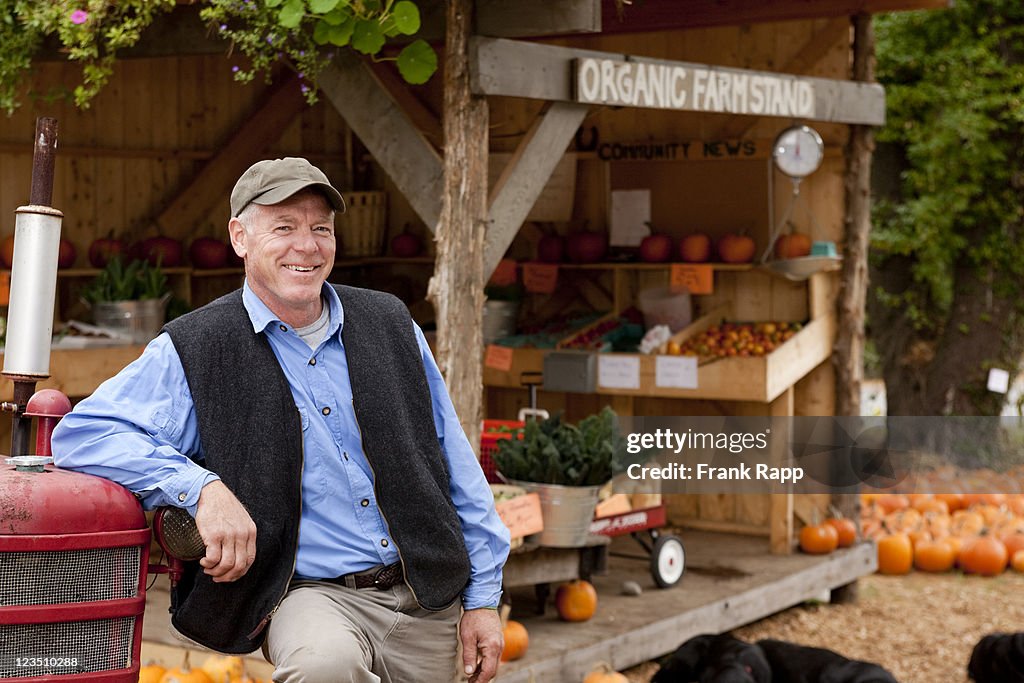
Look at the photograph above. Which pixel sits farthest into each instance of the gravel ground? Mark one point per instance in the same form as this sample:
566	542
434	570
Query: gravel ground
921	627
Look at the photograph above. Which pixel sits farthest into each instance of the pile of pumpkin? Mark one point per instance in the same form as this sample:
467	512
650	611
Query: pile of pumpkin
215	669
981	533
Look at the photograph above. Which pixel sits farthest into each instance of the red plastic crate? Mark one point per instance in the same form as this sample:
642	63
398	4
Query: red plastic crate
489	445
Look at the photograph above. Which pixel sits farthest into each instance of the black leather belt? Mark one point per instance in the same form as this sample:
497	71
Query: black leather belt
381	578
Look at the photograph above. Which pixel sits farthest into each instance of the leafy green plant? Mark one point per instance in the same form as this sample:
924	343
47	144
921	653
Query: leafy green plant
553	451
306	33
119	282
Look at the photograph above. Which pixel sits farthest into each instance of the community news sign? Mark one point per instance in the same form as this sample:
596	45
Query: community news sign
691	87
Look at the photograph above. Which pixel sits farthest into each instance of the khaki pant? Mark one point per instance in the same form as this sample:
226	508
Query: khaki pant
325	633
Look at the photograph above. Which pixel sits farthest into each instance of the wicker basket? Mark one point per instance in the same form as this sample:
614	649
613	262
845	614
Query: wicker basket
363	224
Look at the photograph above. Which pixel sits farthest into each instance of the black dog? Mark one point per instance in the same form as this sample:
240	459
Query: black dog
792	663
714	659
998	658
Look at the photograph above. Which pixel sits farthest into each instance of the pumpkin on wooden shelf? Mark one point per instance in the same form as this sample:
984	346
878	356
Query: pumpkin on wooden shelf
845	529
605	674
576	600
819	539
517	640
985	556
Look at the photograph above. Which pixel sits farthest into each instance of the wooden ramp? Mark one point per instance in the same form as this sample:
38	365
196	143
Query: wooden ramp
730	581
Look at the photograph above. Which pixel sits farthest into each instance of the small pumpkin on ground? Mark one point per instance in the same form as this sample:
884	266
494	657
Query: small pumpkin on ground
1017	561
934	556
151	673
895	554
224	669
186	675
576	600
605	674
985	556
517	640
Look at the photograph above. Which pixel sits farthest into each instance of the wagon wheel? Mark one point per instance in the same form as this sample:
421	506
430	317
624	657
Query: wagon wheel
668	560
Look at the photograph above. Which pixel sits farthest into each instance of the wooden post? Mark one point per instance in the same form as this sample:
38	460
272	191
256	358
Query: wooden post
849	350
457	287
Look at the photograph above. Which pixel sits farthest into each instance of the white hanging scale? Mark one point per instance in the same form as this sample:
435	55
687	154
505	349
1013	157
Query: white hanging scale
797	153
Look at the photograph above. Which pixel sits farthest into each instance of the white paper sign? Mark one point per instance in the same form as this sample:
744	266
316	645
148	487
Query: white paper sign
676	372
630	214
998	380
618	372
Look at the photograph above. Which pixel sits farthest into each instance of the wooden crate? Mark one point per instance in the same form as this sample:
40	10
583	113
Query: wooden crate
741	379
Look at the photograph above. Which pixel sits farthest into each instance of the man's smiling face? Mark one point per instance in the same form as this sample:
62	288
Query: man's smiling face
289	251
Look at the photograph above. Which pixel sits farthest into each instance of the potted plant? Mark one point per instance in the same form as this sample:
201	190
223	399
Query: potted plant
129	299
566	465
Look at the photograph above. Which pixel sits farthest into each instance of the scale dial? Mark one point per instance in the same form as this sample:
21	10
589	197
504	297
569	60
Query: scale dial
798	151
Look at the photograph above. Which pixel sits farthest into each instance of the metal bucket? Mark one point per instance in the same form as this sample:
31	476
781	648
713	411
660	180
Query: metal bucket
499	319
138	320
567	510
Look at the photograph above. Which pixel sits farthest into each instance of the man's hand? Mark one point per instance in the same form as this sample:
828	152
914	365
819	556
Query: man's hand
228	532
482	642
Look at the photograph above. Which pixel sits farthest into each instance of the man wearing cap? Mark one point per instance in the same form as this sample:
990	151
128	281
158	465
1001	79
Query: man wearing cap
349	529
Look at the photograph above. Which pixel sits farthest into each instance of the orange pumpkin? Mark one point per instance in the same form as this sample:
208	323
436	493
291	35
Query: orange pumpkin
151	673
1017	561
1013	542
516	641
934	556
932	505
895	554
576	600
903	521
891	502
846	530
185	675
605	674
966	523
954	501
222	669
956	543
819	539
984	555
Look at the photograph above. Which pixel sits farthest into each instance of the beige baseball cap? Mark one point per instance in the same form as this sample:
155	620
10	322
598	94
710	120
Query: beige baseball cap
274	180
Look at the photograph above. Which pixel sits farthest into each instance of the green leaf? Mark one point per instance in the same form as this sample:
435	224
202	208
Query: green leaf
340	35
337	16
273	3
417	62
367	37
322	32
291	14
322	6
406	16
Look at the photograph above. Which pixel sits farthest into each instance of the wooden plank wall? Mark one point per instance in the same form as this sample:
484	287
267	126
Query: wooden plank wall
123	159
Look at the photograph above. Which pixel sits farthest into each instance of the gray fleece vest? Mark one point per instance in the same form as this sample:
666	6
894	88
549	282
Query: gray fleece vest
251	435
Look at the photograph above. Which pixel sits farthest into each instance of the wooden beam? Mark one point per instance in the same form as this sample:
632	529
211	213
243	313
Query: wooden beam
192	204
425	120
397	145
816	47
531	70
520	19
525	175
668	15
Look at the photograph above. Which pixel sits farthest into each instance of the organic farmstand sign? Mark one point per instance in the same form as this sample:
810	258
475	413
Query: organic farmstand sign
562	74
692	88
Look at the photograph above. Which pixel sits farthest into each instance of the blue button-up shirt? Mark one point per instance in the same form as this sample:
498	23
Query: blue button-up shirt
139	429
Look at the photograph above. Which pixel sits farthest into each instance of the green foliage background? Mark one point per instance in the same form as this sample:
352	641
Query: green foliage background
954	81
